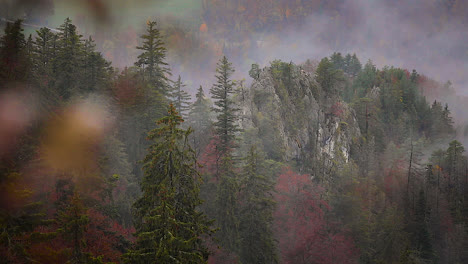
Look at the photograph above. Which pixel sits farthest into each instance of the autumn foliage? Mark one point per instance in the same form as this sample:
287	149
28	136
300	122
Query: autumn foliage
304	232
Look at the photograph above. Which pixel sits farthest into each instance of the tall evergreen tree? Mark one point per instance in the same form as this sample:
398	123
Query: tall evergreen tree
13	57
227	207
256	218
227	215
43	69
68	60
152	59
180	98
169	228
199	119
95	70
327	76
225	108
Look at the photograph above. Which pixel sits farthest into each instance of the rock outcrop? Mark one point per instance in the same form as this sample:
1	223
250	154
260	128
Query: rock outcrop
295	118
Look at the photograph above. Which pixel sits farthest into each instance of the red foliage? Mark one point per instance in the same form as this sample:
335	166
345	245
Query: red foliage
337	109
209	158
407	73
302	229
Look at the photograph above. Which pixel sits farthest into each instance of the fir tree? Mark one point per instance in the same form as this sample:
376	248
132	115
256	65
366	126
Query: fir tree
227	204
256	221
43	69
199	119
13	56
73	222
95	68
68	60
327	76
225	124
180	98
169	228
152	59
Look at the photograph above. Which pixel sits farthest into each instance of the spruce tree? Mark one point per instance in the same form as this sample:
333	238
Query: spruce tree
227	206
225	130
199	119
95	69
13	57
152	59
327	76
43	66
180	98
169	228
256	217
68	60
225	108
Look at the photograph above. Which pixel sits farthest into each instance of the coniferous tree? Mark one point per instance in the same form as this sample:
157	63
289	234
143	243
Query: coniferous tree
338	61
180	98
225	124
327	76
254	72
68	60
169	228
95	68
256	217
227	212
148	84
14	64
199	119
152	59
354	66
73	220
43	67
227	206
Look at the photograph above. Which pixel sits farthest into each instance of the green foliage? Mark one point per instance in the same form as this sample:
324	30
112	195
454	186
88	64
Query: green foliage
14	64
225	109
349	64
256	217
20	215
68	60
199	119
73	221
254	72
227	207
180	98
167	222
328	77
96	70
152	59
366	80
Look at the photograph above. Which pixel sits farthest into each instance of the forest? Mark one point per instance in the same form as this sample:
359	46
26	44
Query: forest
330	160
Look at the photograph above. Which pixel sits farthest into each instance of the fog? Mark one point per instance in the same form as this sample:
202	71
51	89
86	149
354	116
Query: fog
429	36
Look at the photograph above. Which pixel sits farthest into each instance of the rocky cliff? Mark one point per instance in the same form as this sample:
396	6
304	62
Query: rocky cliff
295	118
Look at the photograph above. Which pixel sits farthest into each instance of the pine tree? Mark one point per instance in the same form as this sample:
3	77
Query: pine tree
152	59
225	124
256	217
169	228
180	98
